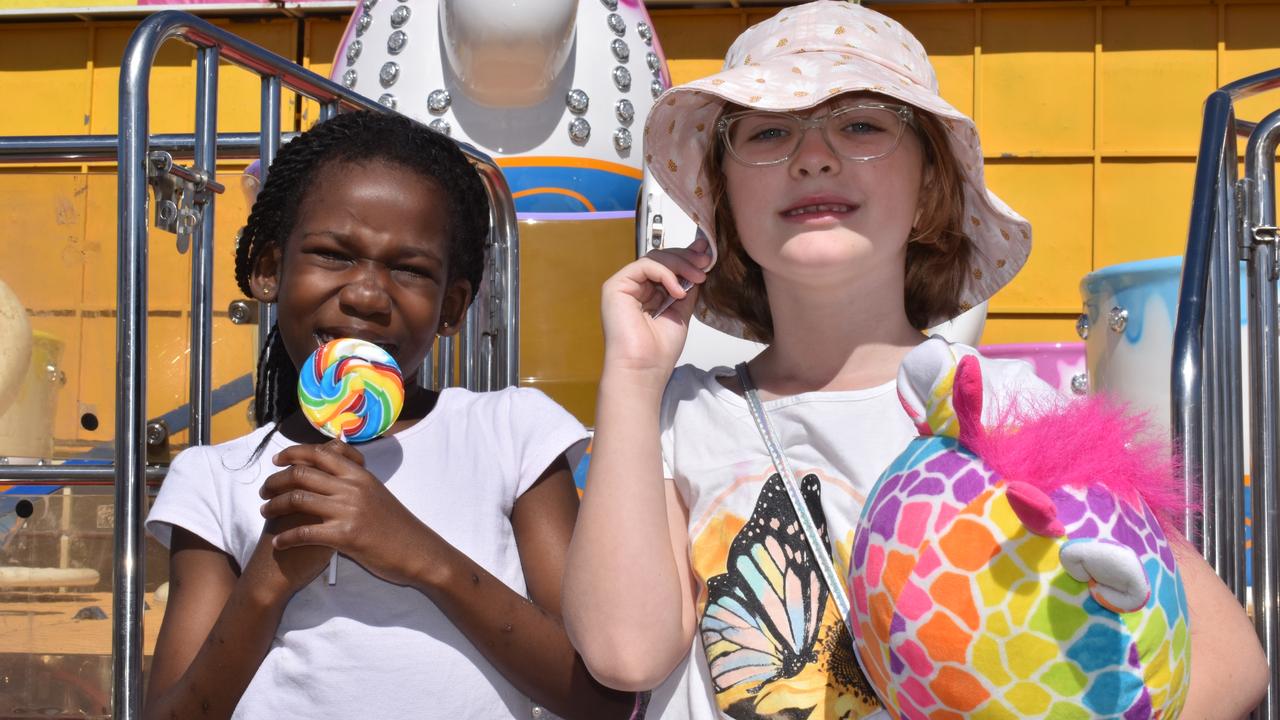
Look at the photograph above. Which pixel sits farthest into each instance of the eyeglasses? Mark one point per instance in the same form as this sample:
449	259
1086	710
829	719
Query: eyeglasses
861	132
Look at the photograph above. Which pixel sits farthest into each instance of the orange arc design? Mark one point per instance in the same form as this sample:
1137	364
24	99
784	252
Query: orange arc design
555	191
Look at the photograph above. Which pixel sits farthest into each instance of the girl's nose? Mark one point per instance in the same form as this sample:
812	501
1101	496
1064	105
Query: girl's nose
814	156
365	295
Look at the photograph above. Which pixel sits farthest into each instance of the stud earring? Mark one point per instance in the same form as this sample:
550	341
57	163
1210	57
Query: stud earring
268	290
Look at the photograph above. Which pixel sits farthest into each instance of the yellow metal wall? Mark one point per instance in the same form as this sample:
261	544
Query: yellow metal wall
1089	112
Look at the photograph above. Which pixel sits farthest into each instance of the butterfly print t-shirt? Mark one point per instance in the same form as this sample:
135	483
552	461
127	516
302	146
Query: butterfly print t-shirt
770	641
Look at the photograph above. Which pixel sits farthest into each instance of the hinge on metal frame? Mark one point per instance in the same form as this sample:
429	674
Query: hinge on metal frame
1268	235
181	195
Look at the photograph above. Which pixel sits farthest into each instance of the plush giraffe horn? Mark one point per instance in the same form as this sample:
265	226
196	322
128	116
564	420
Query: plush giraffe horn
1034	508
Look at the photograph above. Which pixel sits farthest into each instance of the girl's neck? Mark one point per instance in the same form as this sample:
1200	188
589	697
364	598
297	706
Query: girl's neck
846	336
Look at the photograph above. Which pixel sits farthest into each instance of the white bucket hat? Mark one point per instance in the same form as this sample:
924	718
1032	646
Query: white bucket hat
798	59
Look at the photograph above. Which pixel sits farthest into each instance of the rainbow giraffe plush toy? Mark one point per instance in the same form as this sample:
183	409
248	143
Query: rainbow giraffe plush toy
1018	570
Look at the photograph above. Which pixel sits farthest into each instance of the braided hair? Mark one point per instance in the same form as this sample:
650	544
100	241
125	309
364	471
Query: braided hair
360	136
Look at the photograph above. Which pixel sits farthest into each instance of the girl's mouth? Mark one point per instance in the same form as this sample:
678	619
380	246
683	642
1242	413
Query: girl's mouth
819	209
323	337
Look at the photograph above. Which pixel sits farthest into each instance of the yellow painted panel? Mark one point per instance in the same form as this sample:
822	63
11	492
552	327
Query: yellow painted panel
695	43
170	273
1037	81
1057	198
947	35
240	91
167	368
323	37
1250	47
1158	65
1011	328
43	79
43	252
173	83
561	343
234	355
171	93
1143	210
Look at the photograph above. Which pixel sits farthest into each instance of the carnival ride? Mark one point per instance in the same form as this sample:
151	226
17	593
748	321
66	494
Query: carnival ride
549	106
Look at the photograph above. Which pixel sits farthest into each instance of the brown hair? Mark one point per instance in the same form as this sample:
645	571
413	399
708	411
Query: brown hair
938	250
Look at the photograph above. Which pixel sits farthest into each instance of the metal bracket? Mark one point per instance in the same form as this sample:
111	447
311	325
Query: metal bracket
181	195
1268	235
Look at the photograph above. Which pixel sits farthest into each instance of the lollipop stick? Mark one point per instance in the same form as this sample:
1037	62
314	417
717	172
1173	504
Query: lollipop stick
685	284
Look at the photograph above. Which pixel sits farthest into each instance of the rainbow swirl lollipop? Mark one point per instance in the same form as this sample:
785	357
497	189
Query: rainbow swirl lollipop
351	390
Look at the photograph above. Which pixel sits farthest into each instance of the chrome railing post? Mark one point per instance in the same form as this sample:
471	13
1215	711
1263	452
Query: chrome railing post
1261	235
206	162
268	144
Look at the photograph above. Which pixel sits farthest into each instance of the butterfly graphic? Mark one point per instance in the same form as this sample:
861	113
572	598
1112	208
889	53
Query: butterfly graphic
764	614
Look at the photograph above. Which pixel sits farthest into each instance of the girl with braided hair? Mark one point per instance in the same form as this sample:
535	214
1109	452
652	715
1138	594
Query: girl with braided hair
455	523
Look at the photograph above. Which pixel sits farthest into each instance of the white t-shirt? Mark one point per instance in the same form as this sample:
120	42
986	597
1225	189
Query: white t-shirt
759	651
365	648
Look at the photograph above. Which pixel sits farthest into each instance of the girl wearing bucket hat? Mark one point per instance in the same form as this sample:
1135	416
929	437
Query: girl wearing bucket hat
845	210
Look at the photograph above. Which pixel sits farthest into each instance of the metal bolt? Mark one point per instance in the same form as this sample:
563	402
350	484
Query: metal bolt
387	100
625	111
1080	383
389	73
622	78
400	16
438	101
579	130
655	87
396	42
362	25
577	101
610	5
1117	319
1082	326
349	77
157	433
620	50
441	126
353	50
242	312
645	32
622	139
651	59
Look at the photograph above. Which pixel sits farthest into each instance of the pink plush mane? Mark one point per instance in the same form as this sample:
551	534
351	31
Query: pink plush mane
1087	441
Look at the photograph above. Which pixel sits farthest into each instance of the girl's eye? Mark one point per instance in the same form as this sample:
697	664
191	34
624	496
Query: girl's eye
761	130
330	256
860	126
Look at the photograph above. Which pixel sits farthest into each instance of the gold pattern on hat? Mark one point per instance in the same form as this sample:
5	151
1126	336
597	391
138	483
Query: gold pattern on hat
966	307
1004	234
672	127
760	80
648	158
1000	263
795	69
694	217
700	127
698	192
834	90
754	99
976	222
977	274
801	93
746	60
1024	234
872	28
671	165
839	29
782	42
717	81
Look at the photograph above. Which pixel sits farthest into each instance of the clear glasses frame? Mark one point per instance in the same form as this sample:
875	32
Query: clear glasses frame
820	122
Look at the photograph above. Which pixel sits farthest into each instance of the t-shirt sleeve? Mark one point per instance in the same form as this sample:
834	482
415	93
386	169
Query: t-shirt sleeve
541	430
189	499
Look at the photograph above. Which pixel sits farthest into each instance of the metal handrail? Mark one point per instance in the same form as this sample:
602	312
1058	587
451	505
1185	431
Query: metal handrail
1232	221
490	340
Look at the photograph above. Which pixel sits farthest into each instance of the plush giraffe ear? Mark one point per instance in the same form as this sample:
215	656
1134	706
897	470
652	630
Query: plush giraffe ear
925	382
1116	578
966	398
